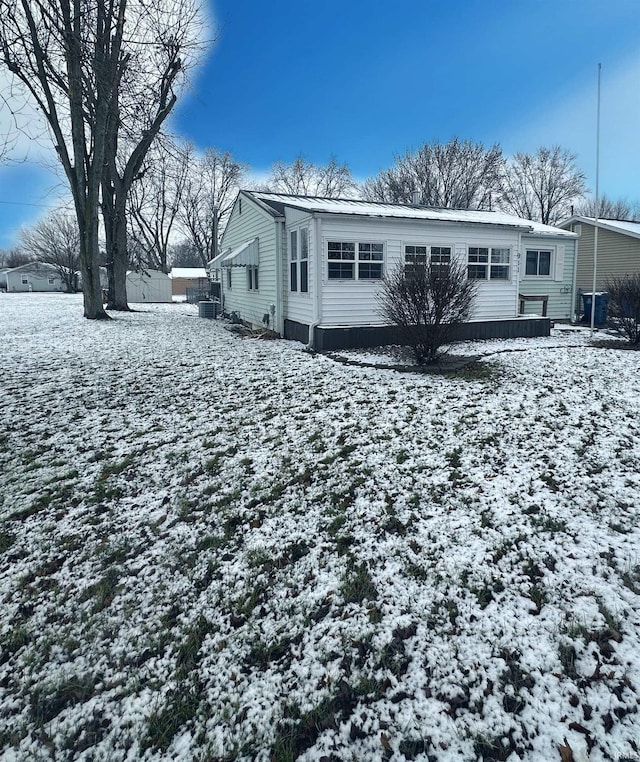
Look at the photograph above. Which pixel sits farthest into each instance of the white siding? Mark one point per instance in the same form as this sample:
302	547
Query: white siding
351	303
558	285
251	306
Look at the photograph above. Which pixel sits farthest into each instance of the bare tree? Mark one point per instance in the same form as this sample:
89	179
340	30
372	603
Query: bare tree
184	254
82	63
54	49
460	174
158	53
154	204
14	257
427	302
542	186
209	192
304	178
56	240
610	209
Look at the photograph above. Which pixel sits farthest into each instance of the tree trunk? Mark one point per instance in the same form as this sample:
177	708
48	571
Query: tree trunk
115	223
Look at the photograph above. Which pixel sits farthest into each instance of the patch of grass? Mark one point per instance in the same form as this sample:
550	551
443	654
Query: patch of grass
180	710
187	657
48	701
6	541
357	585
104	591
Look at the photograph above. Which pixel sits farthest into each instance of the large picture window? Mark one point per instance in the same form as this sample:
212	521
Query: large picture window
488	263
538	262
348	260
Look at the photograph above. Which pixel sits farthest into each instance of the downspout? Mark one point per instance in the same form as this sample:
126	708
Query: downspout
518	273
317	283
573	314
279	316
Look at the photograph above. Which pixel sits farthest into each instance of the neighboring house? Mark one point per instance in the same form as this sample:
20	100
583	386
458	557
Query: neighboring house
311	268
618	250
34	276
148	286
192	278
3	278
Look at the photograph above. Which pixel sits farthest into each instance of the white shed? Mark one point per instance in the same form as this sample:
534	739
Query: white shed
148	286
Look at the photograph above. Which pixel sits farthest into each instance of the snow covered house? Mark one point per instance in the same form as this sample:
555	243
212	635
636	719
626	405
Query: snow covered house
34	276
310	268
618	249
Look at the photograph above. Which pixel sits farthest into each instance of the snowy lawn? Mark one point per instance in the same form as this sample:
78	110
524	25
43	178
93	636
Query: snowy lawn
218	548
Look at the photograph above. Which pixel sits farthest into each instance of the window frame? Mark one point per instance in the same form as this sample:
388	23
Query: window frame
253	281
552	263
229	279
363	260
298	258
432	255
490	265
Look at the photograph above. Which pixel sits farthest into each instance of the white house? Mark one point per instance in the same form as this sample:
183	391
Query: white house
148	286
311	268
34	276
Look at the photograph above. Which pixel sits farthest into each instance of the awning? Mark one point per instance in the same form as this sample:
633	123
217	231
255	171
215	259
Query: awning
245	255
216	262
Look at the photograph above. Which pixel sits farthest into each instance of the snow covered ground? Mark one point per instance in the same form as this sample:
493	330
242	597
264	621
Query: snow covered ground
219	548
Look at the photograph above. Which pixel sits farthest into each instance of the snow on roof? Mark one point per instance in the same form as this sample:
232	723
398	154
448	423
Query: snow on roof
188	272
317	205
618	226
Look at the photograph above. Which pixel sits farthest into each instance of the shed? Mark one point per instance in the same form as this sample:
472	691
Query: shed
148	286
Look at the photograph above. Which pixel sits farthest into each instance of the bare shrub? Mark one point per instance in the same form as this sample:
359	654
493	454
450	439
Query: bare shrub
427	303
623	309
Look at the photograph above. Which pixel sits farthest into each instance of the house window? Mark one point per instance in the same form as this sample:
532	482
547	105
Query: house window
52	281
414	257
229	278
418	256
293	261
488	263
304	260
25	281
370	261
343	265
299	260
341	258
252	278
538	262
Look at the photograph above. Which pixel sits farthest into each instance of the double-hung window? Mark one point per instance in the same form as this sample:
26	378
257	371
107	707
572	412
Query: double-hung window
299	260
341	257
488	263
347	260
293	260
538	262
415	256
370	261
252	278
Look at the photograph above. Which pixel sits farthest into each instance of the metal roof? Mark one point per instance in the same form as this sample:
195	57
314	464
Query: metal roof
373	209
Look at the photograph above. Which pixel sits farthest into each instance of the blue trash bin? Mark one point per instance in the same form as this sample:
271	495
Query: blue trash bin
600	310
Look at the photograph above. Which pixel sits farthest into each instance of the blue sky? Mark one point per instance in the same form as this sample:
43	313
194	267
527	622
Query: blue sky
366	81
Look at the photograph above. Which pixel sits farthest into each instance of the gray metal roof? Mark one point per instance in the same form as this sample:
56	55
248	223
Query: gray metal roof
317	205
